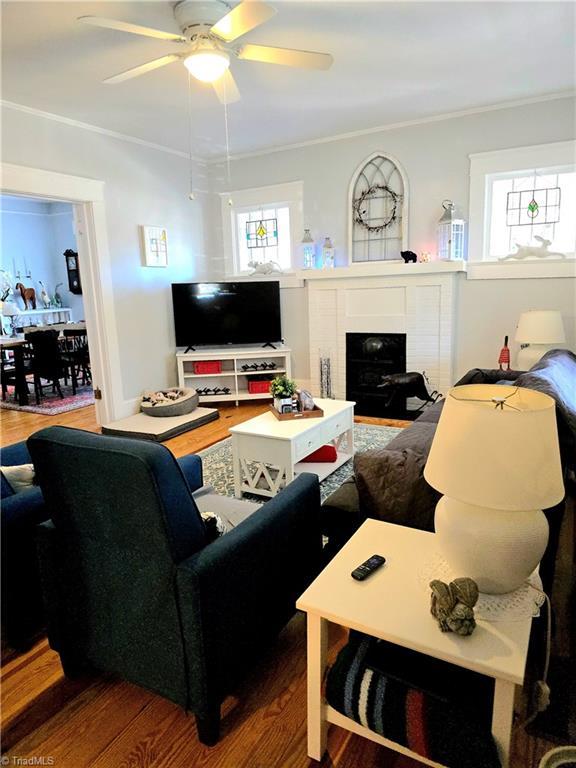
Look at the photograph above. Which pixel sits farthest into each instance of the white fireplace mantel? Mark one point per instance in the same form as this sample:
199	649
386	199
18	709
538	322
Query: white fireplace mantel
415	299
383	268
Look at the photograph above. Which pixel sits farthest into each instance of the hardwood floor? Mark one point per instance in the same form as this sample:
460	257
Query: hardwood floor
107	723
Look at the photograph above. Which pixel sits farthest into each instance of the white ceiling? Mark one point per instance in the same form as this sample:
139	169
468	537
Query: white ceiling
393	61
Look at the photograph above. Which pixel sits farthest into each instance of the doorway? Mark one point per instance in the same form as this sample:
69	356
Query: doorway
86	197
42	291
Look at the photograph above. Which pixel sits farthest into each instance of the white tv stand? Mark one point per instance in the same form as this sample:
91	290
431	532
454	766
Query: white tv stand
232	376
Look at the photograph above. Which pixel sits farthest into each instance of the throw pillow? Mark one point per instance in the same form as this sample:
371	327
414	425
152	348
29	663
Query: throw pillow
326	454
213	525
19	477
391	487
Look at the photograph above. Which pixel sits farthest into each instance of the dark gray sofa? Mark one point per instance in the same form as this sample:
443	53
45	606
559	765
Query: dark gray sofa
388	483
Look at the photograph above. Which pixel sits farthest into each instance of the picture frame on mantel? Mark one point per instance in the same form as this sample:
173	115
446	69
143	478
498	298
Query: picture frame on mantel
155	245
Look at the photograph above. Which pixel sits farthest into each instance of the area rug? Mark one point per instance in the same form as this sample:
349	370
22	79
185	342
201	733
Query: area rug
52	404
218	472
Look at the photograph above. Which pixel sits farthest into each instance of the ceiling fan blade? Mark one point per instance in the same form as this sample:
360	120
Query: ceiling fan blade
142	69
243	18
287	56
226	88
125	26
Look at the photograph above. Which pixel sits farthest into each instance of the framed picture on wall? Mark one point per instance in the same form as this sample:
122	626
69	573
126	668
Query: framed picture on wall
155	245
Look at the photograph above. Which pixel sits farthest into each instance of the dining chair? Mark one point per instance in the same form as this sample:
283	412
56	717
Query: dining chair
76	353
9	369
47	362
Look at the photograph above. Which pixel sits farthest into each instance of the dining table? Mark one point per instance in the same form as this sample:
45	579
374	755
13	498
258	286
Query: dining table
17	343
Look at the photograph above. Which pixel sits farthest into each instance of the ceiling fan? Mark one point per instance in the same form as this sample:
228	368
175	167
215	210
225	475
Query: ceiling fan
207	38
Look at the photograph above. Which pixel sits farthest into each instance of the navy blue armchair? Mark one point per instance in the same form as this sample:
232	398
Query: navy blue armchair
22	608
22	612
131	585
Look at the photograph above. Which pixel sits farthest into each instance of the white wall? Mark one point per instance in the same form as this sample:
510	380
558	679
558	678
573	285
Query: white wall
435	158
142	186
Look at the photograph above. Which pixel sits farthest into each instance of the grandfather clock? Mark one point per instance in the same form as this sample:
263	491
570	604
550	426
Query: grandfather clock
74	284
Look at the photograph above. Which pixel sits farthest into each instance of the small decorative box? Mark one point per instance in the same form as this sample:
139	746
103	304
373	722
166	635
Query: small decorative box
207	366
259	387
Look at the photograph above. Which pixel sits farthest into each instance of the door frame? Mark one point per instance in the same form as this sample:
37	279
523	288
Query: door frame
87	199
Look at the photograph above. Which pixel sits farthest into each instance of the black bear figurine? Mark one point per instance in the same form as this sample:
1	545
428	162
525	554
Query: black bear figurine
409	256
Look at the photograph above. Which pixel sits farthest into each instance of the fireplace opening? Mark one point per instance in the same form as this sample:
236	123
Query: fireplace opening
369	358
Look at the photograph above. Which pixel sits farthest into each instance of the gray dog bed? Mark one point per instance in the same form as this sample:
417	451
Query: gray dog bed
180	407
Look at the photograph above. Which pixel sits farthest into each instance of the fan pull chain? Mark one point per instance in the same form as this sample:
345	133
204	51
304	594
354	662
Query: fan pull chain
191	194
230	201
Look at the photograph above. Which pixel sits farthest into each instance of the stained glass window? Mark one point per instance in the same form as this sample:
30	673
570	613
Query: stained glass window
262	233
253	244
535	206
524	206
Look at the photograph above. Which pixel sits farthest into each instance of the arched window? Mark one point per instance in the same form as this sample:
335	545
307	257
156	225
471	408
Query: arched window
378	211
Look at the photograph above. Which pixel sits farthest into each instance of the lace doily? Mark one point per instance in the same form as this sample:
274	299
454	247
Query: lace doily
513	606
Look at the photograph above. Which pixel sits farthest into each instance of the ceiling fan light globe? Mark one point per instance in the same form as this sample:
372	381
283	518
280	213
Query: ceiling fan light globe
207	66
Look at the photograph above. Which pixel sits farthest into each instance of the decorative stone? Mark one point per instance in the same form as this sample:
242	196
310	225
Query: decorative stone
306	400
453	605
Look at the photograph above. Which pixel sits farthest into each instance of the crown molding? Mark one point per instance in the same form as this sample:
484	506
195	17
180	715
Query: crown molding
286	147
96	129
403	124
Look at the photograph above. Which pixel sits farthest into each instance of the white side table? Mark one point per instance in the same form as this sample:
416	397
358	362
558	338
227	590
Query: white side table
393	605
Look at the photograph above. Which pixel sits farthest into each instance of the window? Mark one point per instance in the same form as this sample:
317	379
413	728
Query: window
263	235
263	224
534	209
522	200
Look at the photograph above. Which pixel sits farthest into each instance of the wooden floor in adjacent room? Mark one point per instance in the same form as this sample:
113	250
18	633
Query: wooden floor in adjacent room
106	723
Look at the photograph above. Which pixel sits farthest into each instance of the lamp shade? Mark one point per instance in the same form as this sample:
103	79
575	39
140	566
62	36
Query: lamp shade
9	309
540	326
504	457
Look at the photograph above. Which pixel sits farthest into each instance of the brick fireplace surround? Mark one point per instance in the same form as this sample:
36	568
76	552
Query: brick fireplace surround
415	299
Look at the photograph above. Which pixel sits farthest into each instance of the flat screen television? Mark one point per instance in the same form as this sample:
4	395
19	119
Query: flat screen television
211	314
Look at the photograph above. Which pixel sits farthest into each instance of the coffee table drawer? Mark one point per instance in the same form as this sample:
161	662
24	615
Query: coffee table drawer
336	425
308	443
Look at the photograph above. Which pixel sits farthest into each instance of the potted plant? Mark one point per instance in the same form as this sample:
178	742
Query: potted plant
282	389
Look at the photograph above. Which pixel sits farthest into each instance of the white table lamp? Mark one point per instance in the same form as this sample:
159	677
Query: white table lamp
496	458
541	330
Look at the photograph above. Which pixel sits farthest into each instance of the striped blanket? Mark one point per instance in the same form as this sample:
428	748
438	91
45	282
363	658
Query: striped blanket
437	710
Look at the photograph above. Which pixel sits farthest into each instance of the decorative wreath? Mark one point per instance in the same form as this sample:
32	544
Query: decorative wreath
368	193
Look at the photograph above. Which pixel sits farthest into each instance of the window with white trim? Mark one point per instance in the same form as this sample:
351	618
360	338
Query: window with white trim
263	224
522	203
533	209
263	234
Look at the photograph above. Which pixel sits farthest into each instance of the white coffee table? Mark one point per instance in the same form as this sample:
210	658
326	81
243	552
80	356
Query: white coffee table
394	605
267	453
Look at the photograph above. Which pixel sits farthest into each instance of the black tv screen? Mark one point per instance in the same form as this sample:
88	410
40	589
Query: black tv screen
210	314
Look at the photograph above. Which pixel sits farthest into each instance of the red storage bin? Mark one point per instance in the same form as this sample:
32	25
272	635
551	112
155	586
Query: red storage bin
208	366
258	387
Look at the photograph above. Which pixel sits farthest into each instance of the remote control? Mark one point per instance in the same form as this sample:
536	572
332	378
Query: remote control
371	565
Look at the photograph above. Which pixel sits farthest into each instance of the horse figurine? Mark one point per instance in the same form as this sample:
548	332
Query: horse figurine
28	295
